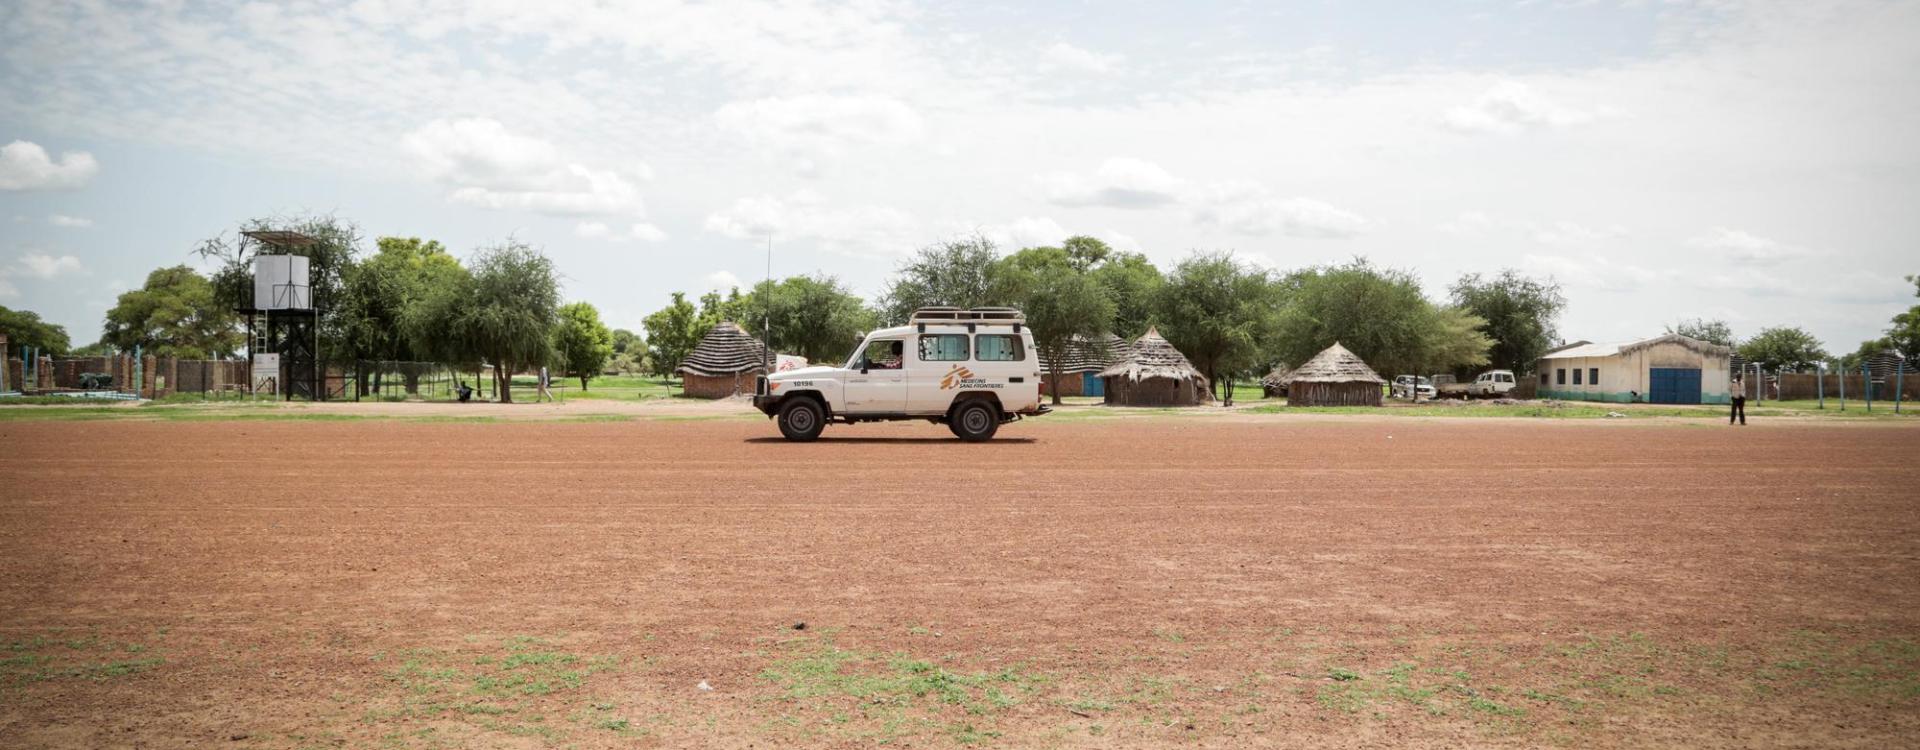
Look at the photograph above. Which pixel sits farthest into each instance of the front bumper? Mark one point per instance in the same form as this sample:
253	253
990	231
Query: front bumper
768	405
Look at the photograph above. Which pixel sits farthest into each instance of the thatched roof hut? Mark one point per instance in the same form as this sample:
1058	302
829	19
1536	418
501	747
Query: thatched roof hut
1153	373
1080	367
724	363
1334	377
1274	383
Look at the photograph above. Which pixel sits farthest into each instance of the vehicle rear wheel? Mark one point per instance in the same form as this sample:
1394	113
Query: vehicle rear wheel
801	420
975	422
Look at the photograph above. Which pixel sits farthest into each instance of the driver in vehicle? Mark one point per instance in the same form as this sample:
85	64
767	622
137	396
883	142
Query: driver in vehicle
896	354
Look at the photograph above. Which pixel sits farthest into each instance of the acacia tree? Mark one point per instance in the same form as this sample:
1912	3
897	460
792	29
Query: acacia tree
24	328
376	293
173	314
957	273
1783	348
582	344
1521	315
1381	316
671	335
1133	284
1060	299
1701	329
1217	311
513	309
816	317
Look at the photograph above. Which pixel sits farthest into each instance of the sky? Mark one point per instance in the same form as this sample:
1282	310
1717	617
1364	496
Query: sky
1753	162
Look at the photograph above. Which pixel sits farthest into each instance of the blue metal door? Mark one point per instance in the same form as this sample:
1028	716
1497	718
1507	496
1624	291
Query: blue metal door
1673	385
1092	385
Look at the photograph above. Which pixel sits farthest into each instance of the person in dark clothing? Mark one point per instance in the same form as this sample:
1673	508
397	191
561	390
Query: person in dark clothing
465	392
1739	410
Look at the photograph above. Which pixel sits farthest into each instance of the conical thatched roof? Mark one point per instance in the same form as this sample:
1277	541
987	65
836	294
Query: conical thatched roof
1152	356
726	350
1089	355
1278	376
1335	365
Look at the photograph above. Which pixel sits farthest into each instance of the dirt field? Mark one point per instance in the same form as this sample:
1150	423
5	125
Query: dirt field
1225	582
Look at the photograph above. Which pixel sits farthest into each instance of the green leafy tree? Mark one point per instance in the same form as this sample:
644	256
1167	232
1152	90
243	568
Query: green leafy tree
1904	335
1701	329
625	341
1782	348
330	255
1381	316
1060	299
95	349
582	344
1521	316
513	311
958	273
672	332
1218	311
376	292
816	317
1133	283
25	328
174	314
1086	253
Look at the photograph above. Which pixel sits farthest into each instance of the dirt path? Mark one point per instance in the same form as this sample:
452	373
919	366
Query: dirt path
1222	583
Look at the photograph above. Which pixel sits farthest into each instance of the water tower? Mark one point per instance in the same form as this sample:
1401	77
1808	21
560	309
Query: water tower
283	327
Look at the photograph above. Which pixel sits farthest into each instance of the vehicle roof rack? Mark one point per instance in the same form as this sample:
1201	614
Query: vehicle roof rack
972	315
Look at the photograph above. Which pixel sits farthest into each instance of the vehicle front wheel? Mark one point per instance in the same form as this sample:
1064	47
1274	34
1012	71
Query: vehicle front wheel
975	422
801	420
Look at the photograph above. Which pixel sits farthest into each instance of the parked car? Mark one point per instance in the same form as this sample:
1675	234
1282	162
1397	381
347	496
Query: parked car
971	370
1489	384
1405	386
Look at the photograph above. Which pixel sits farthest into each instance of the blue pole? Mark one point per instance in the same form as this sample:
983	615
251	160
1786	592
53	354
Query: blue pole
1843	388
1866	383
1820	384
1899	384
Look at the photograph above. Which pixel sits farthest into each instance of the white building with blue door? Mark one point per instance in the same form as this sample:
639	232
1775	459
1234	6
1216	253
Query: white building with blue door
1670	369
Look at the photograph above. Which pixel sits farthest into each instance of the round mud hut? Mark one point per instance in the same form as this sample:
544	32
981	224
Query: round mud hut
724	363
1153	373
1274	383
1334	377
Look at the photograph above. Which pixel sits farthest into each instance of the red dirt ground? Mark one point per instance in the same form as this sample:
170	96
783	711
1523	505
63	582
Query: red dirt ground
1127	583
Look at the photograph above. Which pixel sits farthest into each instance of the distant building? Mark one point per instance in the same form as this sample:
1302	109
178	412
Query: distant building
1153	373
1080	368
724	364
1334	377
1669	369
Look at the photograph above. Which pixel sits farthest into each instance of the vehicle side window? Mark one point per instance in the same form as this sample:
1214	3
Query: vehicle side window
943	347
997	347
883	354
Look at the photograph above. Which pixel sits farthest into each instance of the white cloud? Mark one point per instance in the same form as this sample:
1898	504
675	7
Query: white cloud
63	220
1595	272
24	165
1026	231
722	280
1066	56
7	289
812	129
1250	209
1121	241
805	215
1511	107
1570	233
44	266
1119	182
1741	247
598	230
491	167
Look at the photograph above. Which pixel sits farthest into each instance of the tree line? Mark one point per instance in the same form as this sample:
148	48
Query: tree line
1793	349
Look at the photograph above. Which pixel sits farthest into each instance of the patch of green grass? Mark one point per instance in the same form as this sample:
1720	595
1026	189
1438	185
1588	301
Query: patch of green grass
44	658
883	698
501	690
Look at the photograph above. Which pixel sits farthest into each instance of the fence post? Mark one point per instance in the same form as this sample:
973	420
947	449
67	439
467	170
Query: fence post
1866	384
1899	384
1820	384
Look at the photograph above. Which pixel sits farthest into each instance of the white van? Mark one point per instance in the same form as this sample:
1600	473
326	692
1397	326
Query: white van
971	370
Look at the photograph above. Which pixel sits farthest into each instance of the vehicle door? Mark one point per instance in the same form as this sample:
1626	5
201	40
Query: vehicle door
937	365
878	382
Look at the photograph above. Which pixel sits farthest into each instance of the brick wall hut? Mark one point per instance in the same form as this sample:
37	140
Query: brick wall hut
724	364
1334	377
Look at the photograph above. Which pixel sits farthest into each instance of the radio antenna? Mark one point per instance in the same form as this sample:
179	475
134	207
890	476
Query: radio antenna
766	313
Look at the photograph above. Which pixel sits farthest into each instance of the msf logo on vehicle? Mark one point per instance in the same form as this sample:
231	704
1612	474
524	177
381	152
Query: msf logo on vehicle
961	377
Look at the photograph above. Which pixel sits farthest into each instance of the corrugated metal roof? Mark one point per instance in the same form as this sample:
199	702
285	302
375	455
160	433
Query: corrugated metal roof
1609	350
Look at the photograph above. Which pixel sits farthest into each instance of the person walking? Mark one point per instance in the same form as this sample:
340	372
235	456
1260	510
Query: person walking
545	381
1739	410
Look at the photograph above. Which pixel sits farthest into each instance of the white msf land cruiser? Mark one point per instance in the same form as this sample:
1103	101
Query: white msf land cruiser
970	370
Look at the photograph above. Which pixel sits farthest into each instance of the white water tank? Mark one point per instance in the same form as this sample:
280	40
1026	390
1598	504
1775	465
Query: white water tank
280	283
